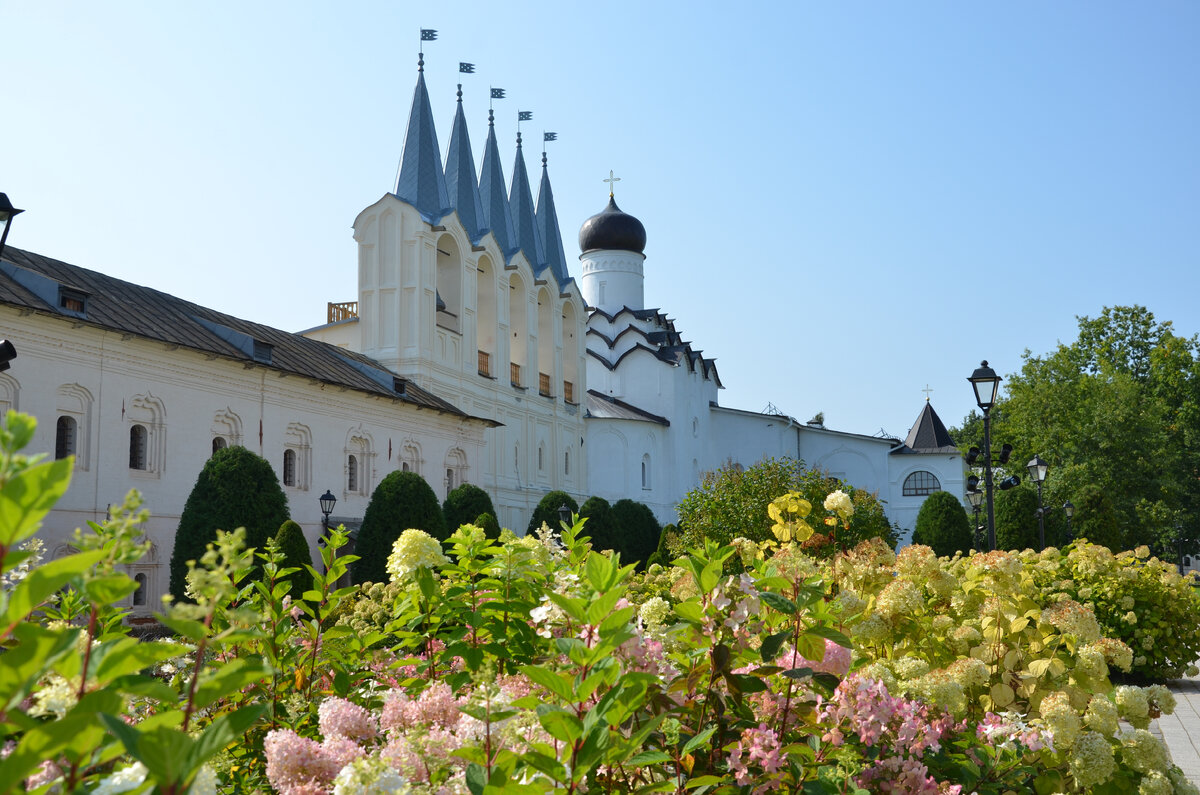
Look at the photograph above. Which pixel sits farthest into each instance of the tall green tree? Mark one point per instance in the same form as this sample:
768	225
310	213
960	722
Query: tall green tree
401	501
732	501
1118	409
637	530
296	554
236	488
599	527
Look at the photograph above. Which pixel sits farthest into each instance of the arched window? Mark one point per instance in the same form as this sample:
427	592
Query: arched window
646	471
219	443
404	467
139	596
449	480
541	458
137	447
919	484
567	463
289	468
64	437
351	473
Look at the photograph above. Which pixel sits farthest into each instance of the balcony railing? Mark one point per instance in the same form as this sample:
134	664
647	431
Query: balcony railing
514	373
485	364
568	392
544	384
342	311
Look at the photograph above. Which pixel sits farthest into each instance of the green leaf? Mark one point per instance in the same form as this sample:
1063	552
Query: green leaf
599	570
192	630
599	609
771	644
28	496
559	723
810	646
690	611
829	633
108	590
44	581
164	751
227	679
699	740
129	655
572	607
21	667
702	781
554	682
710	576
223	731
798	673
650	758
476	779
780	603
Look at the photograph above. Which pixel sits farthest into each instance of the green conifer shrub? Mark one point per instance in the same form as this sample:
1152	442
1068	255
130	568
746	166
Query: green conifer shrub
236	488
491	527
943	525
637	530
465	503
1016	518
599	525
402	500
670	544
1096	518
547	510
297	553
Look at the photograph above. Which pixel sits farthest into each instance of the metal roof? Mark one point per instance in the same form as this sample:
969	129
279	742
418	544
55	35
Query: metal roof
420	180
606	407
497	215
520	199
928	434
460	177
26	280
547	223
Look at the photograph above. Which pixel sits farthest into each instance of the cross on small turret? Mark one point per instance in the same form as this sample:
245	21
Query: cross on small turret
612	180
927	392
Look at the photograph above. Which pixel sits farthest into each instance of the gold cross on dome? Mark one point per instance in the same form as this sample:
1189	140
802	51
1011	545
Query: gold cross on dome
611	182
927	392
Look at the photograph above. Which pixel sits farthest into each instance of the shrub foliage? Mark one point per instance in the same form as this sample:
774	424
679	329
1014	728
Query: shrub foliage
296	554
236	488
401	501
464	504
942	524
547	510
637	530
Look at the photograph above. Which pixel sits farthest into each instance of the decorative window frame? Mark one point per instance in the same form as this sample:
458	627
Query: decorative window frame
148	566
228	426
75	401
456	469
10	392
360	445
298	439
922	490
410	455
149	411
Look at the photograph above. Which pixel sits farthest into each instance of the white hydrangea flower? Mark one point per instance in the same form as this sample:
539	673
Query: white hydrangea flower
124	780
413	549
369	775
56	697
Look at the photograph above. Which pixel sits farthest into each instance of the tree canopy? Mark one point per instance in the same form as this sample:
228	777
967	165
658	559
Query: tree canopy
942	524
547	510
401	501
1118	409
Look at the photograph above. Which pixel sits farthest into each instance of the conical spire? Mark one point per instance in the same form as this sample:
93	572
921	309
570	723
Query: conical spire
929	434
460	176
520	198
497	216
547	224
420	180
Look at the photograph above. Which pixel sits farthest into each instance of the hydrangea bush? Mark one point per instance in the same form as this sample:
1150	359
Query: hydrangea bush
537	665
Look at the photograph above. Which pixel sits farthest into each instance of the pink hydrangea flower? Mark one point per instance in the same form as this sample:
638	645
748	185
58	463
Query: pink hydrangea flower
296	764
339	717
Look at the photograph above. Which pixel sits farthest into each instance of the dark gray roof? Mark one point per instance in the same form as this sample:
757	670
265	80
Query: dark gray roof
928	435
520	199
34	282
497	215
606	407
664	343
547	223
420	180
460	177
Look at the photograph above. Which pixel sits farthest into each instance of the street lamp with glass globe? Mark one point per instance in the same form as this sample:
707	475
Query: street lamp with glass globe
986	384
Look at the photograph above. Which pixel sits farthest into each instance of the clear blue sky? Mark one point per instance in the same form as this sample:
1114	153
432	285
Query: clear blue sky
844	201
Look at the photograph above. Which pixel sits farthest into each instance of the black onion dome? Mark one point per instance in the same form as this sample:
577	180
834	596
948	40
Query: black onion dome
612	230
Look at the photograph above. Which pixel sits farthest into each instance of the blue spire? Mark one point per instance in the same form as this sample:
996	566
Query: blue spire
460	176
520	198
547	224
497	216
420	181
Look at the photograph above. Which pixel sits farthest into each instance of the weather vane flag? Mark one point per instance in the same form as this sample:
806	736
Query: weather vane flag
428	34
467	68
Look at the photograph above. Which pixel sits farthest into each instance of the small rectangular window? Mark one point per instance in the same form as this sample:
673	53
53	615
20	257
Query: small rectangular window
72	300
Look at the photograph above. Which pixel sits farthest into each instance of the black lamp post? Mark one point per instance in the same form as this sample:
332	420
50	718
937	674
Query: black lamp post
7	213
327	501
1037	470
986	384
975	497
564	514
1069	510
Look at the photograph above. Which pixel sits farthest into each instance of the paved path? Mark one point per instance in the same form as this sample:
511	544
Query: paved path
1181	731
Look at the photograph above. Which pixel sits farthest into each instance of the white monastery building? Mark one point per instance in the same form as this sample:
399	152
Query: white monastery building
470	355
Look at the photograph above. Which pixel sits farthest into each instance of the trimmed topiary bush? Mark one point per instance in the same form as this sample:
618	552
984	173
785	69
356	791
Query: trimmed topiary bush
599	525
942	524
297	553
1016	518
464	504
491	527
402	500
236	488
547	510
637	530
670	544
